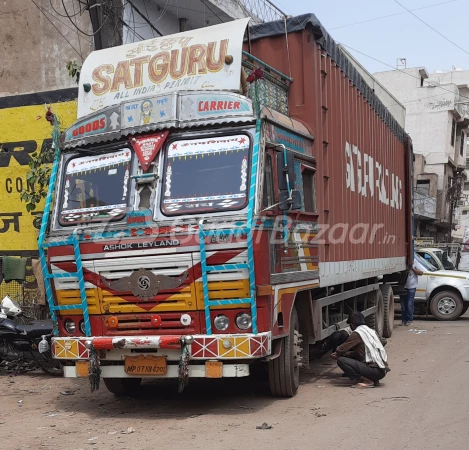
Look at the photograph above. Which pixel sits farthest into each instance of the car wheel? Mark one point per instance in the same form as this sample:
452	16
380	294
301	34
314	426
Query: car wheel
446	305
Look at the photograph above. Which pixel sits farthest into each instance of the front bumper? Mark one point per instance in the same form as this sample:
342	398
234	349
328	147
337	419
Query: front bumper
201	347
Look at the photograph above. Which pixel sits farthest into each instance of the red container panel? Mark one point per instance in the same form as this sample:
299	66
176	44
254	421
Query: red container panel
363	178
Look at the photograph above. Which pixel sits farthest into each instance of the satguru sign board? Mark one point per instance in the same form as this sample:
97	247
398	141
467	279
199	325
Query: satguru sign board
192	60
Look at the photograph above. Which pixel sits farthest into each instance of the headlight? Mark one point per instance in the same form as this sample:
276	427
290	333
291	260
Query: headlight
243	321
82	327
70	326
221	322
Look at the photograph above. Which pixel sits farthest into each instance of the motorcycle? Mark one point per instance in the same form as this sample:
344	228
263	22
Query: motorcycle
29	343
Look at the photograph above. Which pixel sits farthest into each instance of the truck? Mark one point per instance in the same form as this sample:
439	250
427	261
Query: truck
225	199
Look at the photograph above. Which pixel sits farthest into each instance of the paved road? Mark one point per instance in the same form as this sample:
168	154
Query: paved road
422	404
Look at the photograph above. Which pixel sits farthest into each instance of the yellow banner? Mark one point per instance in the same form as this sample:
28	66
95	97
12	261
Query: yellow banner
23	130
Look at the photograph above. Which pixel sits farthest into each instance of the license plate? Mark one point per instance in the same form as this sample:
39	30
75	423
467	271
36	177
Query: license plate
145	365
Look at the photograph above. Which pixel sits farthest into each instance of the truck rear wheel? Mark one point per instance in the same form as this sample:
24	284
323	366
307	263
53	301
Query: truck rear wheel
446	305
376	320
388	310
122	385
284	371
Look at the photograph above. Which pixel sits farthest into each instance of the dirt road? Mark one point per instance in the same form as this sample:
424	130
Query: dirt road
422	404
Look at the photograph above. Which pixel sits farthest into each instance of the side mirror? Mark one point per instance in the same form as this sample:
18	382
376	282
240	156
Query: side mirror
285	168
286	204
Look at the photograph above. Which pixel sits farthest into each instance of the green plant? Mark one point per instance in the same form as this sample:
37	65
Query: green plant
38	175
74	70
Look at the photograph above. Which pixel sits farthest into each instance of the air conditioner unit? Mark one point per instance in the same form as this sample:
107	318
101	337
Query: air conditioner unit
461	202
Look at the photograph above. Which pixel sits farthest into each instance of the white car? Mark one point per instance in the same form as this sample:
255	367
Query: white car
445	293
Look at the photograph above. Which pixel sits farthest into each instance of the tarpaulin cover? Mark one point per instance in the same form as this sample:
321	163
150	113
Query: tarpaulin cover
324	39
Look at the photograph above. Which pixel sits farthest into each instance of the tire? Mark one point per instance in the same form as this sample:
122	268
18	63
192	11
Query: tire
122	385
464	309
284	371
388	310
376	321
54	368
446	305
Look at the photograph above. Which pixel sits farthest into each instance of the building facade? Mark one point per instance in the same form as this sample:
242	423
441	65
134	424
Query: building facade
436	119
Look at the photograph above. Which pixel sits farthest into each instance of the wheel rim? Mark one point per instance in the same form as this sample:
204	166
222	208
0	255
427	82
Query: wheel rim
447	306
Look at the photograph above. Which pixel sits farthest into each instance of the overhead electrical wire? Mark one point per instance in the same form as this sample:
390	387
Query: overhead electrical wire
63	15
388	65
403	71
392	15
147	19
434	29
52	23
78	28
146	12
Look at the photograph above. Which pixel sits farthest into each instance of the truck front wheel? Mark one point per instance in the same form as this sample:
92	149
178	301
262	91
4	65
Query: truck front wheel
122	385
284	371
446	305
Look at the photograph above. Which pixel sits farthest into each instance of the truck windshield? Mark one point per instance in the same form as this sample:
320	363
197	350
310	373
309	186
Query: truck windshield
95	188
203	175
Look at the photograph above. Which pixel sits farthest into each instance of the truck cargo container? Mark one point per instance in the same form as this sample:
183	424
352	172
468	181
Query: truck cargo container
225	199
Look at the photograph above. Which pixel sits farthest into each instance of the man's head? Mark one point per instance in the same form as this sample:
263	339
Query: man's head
355	320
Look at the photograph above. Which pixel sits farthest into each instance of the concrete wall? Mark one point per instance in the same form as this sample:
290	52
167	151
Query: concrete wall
34	54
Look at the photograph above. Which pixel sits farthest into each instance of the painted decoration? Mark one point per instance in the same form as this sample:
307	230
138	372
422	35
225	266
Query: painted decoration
291	140
148	111
147	147
204	106
192	60
106	122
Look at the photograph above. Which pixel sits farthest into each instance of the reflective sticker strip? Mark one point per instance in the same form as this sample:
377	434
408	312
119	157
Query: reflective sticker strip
239	346
431	274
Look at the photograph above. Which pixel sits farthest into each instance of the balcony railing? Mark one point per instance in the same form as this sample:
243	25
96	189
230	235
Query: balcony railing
272	90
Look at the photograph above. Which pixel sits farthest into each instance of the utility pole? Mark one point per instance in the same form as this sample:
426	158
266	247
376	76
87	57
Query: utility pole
454	195
107	22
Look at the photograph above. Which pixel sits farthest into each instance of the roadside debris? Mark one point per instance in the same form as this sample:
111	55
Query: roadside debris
417	331
264	426
129	430
69	392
